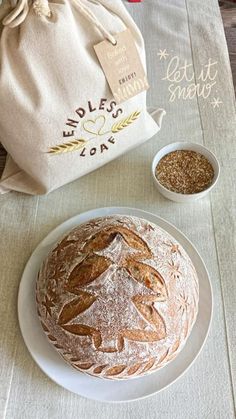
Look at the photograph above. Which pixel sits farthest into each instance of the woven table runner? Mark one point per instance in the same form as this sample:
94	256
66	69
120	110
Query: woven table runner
190	77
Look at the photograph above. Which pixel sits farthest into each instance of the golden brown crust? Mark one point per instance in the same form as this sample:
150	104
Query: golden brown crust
117	297
87	271
103	238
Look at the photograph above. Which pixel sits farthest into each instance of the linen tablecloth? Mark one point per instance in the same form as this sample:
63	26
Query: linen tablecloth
178	33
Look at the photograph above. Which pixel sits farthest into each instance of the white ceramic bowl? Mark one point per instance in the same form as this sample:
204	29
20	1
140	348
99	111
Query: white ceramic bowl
178	197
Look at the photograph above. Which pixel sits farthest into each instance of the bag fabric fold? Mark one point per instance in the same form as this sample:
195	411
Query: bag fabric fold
58	118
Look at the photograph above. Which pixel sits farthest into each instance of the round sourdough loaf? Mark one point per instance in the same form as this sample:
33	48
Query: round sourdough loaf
117	297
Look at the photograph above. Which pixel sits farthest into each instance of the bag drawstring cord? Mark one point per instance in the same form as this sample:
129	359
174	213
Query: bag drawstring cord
41	8
17	15
21	9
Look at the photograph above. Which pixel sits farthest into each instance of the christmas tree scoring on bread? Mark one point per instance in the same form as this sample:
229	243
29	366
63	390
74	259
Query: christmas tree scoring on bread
117	297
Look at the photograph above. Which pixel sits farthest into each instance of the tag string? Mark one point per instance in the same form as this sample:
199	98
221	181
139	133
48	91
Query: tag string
42	9
90	16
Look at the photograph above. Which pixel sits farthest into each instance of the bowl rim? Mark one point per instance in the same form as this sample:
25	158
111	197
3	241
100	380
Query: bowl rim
176	146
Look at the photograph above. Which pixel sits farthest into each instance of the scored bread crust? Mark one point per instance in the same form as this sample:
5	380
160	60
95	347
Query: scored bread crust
117	297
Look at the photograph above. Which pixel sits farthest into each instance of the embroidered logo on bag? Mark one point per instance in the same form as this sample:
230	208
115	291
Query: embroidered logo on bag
93	128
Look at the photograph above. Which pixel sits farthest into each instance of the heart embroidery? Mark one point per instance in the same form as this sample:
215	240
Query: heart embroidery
95	126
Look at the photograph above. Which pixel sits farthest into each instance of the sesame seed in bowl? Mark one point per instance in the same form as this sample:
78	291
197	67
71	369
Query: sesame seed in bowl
184	171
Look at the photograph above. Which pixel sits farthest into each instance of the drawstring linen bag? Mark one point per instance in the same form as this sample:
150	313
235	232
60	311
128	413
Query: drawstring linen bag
58	117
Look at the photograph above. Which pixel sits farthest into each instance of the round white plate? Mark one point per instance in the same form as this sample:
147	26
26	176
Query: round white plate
94	388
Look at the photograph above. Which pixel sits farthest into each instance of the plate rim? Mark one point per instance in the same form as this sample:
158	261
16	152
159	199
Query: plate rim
107	211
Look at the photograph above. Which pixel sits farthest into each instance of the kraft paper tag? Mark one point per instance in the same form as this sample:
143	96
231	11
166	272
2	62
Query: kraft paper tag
122	66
